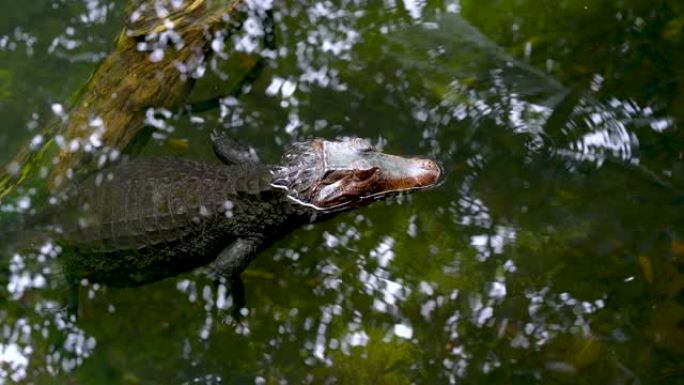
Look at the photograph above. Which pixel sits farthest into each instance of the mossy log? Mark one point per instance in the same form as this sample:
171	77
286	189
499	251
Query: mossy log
157	58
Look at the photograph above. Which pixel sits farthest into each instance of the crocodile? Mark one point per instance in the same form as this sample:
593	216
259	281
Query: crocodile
149	218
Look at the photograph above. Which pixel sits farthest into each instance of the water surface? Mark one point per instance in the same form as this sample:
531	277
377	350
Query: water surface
553	252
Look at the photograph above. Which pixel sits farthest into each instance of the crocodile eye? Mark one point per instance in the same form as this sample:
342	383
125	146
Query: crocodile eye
363	145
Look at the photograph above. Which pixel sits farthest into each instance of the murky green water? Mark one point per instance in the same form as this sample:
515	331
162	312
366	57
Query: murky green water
552	253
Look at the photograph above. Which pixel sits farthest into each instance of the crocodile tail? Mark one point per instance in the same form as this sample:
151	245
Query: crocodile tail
20	232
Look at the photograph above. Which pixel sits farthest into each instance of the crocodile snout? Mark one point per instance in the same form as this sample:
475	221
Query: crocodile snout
430	171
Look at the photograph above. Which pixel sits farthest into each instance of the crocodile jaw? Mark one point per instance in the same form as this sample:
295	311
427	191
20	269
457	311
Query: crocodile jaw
338	175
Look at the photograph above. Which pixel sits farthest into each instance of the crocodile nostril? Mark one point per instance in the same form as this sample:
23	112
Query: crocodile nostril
428	170
429	165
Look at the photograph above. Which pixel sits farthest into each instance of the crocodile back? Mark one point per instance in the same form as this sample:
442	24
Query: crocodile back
153	201
151	218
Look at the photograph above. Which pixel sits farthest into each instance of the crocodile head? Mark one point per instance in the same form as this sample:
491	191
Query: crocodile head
336	175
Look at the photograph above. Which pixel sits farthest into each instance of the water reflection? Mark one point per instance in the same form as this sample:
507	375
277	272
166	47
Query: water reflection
552	253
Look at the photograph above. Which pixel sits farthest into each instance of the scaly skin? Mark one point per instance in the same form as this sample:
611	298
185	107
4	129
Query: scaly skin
157	217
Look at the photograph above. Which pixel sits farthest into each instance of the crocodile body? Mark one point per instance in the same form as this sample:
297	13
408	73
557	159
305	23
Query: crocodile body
150	218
